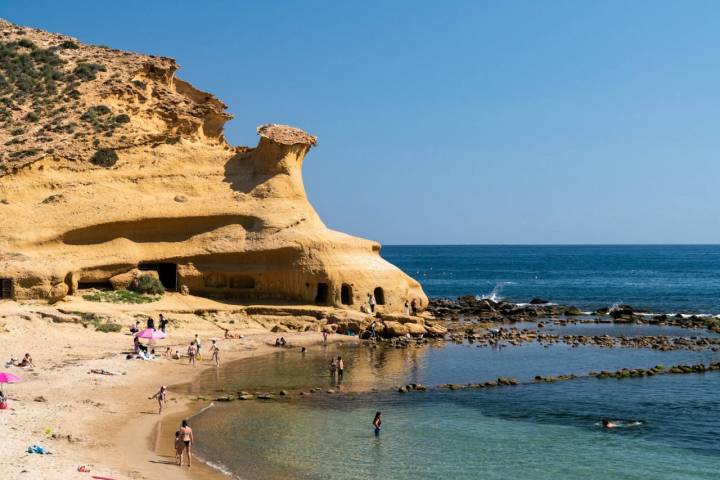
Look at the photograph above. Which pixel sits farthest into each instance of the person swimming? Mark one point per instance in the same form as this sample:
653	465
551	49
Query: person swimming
608	424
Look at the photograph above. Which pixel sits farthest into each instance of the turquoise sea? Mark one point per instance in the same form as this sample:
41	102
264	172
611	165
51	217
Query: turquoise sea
670	424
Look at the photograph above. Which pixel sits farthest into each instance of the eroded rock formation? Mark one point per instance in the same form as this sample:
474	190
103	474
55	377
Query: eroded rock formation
110	163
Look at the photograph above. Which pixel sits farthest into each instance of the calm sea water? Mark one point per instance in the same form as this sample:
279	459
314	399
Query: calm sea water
532	431
661	278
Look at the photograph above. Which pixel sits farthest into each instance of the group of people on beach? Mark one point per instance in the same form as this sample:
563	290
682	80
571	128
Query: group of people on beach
193	351
183	444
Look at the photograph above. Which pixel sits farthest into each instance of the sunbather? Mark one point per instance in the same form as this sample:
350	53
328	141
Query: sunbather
26	361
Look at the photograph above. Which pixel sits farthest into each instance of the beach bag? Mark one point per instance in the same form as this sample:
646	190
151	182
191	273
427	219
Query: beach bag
3	405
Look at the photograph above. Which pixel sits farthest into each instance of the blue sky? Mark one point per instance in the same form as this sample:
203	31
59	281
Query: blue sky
459	122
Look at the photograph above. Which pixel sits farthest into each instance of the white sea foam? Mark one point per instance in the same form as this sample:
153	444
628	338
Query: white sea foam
495	294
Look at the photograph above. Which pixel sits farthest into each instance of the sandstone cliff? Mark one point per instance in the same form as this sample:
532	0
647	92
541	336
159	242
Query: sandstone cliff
110	162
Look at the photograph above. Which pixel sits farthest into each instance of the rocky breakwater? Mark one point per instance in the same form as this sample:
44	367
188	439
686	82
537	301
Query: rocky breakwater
470	308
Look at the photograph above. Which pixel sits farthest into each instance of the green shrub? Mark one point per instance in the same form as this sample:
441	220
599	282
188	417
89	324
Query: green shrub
104	157
147	283
122	118
24	42
69	44
17	131
119	296
32	117
108	327
88	71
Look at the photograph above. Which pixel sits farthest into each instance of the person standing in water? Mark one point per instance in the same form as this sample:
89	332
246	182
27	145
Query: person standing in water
186	434
332	366
340	368
161	396
215	352
377	423
325	335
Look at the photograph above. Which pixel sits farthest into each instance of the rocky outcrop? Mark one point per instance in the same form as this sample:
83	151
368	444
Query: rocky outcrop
112	163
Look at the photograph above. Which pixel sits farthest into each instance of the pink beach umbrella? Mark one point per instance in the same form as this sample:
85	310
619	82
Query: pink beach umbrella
8	378
151	334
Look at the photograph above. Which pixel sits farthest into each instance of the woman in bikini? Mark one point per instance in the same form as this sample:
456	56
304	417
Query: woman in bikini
192	353
161	396
186	435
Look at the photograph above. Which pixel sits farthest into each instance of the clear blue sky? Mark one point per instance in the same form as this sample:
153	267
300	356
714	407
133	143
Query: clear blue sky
459	122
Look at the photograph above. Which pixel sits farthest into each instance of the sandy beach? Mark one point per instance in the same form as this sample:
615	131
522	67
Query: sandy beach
106	422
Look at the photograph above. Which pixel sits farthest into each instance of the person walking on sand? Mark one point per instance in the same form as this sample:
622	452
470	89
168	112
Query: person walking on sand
179	446
192	353
186	434
340	368
161	396
215	352
163	323
377	423
372	302
197	345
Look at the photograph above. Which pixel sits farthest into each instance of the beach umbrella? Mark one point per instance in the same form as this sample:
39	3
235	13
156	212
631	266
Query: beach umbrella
6	377
151	334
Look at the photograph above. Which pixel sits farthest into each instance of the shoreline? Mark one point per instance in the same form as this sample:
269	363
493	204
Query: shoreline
106	422
158	446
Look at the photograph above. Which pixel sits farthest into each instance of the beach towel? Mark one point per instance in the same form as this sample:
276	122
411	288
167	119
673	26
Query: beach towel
37	449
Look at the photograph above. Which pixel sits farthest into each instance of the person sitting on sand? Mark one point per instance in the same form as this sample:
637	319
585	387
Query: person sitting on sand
3	401
138	347
161	396
26	362
228	335
608	424
187	438
176	355
135	327
192	353
277	342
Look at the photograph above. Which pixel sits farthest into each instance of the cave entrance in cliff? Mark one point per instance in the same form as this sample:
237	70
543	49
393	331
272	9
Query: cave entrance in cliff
167	272
346	294
379	295
5	288
321	298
